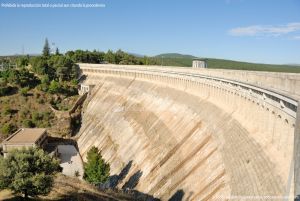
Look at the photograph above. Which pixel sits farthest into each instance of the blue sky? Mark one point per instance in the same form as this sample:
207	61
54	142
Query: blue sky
266	31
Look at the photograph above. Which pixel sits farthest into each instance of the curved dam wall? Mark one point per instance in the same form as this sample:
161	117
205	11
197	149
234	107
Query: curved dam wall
169	132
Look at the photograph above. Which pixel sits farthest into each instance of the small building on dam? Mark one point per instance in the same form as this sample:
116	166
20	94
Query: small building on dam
199	63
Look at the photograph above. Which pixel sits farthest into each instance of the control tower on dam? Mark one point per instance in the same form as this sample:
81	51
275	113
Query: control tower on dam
199	134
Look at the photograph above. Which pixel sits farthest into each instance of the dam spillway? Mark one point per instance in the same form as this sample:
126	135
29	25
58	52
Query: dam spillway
203	134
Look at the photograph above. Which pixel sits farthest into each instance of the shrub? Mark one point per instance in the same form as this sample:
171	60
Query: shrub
74	82
7	110
24	113
5	90
3	82
8	128
43	87
37	116
24	91
21	77
27	123
41	119
54	87
41	101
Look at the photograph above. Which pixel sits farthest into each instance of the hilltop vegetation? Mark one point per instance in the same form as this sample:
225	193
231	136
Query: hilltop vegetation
236	65
22	104
121	57
174	59
30	85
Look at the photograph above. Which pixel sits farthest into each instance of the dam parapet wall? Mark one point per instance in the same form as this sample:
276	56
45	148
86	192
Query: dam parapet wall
265	91
285	83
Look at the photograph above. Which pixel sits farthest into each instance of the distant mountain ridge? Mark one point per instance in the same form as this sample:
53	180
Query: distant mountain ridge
175	59
294	65
176	55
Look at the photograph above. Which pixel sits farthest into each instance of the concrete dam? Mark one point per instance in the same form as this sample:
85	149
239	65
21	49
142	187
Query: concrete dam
194	134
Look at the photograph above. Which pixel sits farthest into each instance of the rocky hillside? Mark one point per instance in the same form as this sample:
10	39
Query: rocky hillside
73	189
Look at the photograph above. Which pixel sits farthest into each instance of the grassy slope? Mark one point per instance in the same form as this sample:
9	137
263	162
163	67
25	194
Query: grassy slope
186	60
68	188
23	108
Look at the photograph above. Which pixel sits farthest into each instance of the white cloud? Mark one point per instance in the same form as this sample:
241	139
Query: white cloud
296	38
267	30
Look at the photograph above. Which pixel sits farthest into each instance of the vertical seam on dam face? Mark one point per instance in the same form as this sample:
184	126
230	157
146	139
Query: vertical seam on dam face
198	136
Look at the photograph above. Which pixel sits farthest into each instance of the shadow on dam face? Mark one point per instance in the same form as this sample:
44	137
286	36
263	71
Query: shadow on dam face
132	182
178	196
114	180
185	144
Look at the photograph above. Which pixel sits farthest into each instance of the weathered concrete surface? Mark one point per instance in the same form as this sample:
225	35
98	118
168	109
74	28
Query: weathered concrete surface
187	135
70	160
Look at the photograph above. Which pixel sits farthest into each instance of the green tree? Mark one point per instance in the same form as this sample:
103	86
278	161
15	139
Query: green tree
119	56
54	87
45	81
40	66
57	51
8	128
70	54
28	171
61	73
96	171
21	77
62	66
110	57
46	49
23	61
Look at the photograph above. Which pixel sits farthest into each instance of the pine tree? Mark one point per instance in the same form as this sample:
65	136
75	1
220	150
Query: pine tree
46	49
57	51
96	171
